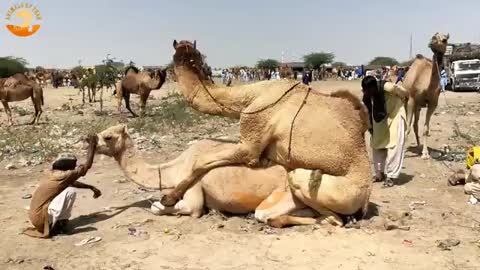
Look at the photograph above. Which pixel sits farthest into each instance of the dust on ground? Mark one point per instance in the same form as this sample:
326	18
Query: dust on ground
420	211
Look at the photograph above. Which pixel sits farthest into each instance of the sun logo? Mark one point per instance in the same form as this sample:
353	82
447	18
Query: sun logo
27	19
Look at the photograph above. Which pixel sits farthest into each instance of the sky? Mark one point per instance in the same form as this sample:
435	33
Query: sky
236	32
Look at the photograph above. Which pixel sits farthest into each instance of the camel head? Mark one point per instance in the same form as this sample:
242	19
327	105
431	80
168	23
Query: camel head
113	141
439	43
186	54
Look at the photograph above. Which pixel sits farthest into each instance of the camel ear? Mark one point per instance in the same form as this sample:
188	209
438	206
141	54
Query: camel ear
194	44
448	35
124	129
175	43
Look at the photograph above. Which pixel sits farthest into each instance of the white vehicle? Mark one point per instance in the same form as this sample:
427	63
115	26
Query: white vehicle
465	75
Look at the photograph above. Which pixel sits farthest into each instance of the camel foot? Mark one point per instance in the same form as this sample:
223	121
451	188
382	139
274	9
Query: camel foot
253	163
352	222
168	200
157	208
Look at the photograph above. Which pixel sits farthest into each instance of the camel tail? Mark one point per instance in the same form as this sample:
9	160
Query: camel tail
41	96
357	105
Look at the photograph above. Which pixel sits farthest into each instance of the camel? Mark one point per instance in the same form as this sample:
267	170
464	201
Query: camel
17	88
240	189
283	121
423	83
140	83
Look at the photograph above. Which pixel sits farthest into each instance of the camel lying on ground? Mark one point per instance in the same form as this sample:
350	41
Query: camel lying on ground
17	88
286	122
140	83
423	83
240	189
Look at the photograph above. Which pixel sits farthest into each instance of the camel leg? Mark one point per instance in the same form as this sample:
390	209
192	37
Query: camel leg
410	111
143	103
275	208
8	112
126	96
191	204
415	125
35	106
243	153
426	130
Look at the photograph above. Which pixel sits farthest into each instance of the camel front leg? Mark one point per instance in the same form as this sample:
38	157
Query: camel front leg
191	204
8	112
143	103
228	154
426	131
410	111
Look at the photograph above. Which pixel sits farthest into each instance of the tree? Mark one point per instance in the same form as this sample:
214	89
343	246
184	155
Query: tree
268	64
11	65
339	65
383	61
317	59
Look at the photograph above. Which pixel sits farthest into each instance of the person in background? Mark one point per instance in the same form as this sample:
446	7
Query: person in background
385	104
443	79
400	75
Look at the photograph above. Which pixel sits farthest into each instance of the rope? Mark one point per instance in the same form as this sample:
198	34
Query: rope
293	122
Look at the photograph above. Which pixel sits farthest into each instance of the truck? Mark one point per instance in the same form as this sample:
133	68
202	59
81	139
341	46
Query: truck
465	75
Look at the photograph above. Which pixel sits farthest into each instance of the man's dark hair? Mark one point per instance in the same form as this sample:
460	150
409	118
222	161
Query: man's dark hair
65	162
369	82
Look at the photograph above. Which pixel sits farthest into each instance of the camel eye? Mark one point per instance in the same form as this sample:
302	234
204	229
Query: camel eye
108	138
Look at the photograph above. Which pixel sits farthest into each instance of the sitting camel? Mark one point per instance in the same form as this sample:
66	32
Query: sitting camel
423	83
140	83
284	121
240	189
17	88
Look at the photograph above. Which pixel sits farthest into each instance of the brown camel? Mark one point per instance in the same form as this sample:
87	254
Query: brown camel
423	83
17	88
240	189
140	83
282	120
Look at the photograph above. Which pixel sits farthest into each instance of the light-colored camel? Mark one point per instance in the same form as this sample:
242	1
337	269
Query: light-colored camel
284	121
423	83
17	88
139	83
239	189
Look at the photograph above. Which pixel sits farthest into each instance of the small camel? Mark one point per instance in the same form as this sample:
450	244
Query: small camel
284	121
423	83
140	83
17	88
240	189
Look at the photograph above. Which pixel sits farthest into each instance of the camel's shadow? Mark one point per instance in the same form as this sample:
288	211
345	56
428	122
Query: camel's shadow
77	225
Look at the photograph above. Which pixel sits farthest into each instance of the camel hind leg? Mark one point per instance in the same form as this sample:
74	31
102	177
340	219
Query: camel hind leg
415	125
8	112
278	210
143	103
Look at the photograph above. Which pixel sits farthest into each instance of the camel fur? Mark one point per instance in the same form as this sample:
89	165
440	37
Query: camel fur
239	189
283	121
139	83
423	84
17	88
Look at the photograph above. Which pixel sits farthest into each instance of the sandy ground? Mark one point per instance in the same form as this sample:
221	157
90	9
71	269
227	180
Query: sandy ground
216	241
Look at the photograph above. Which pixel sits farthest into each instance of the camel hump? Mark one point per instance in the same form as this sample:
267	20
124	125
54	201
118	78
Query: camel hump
357	105
420	56
133	68
345	94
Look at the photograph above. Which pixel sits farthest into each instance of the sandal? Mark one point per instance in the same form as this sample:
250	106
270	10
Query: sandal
388	183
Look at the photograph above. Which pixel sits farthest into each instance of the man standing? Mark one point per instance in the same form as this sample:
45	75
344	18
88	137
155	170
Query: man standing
53	200
385	104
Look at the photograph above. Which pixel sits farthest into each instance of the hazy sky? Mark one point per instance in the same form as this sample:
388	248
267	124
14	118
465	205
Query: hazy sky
236	32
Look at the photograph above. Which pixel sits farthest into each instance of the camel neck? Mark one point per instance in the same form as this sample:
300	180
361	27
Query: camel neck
209	98
437	61
137	170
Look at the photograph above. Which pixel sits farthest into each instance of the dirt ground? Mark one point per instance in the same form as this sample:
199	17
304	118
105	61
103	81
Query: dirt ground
421	201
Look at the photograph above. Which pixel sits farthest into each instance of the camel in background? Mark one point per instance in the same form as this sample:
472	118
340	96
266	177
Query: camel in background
279	121
278	198
423	83
17	88
139	83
